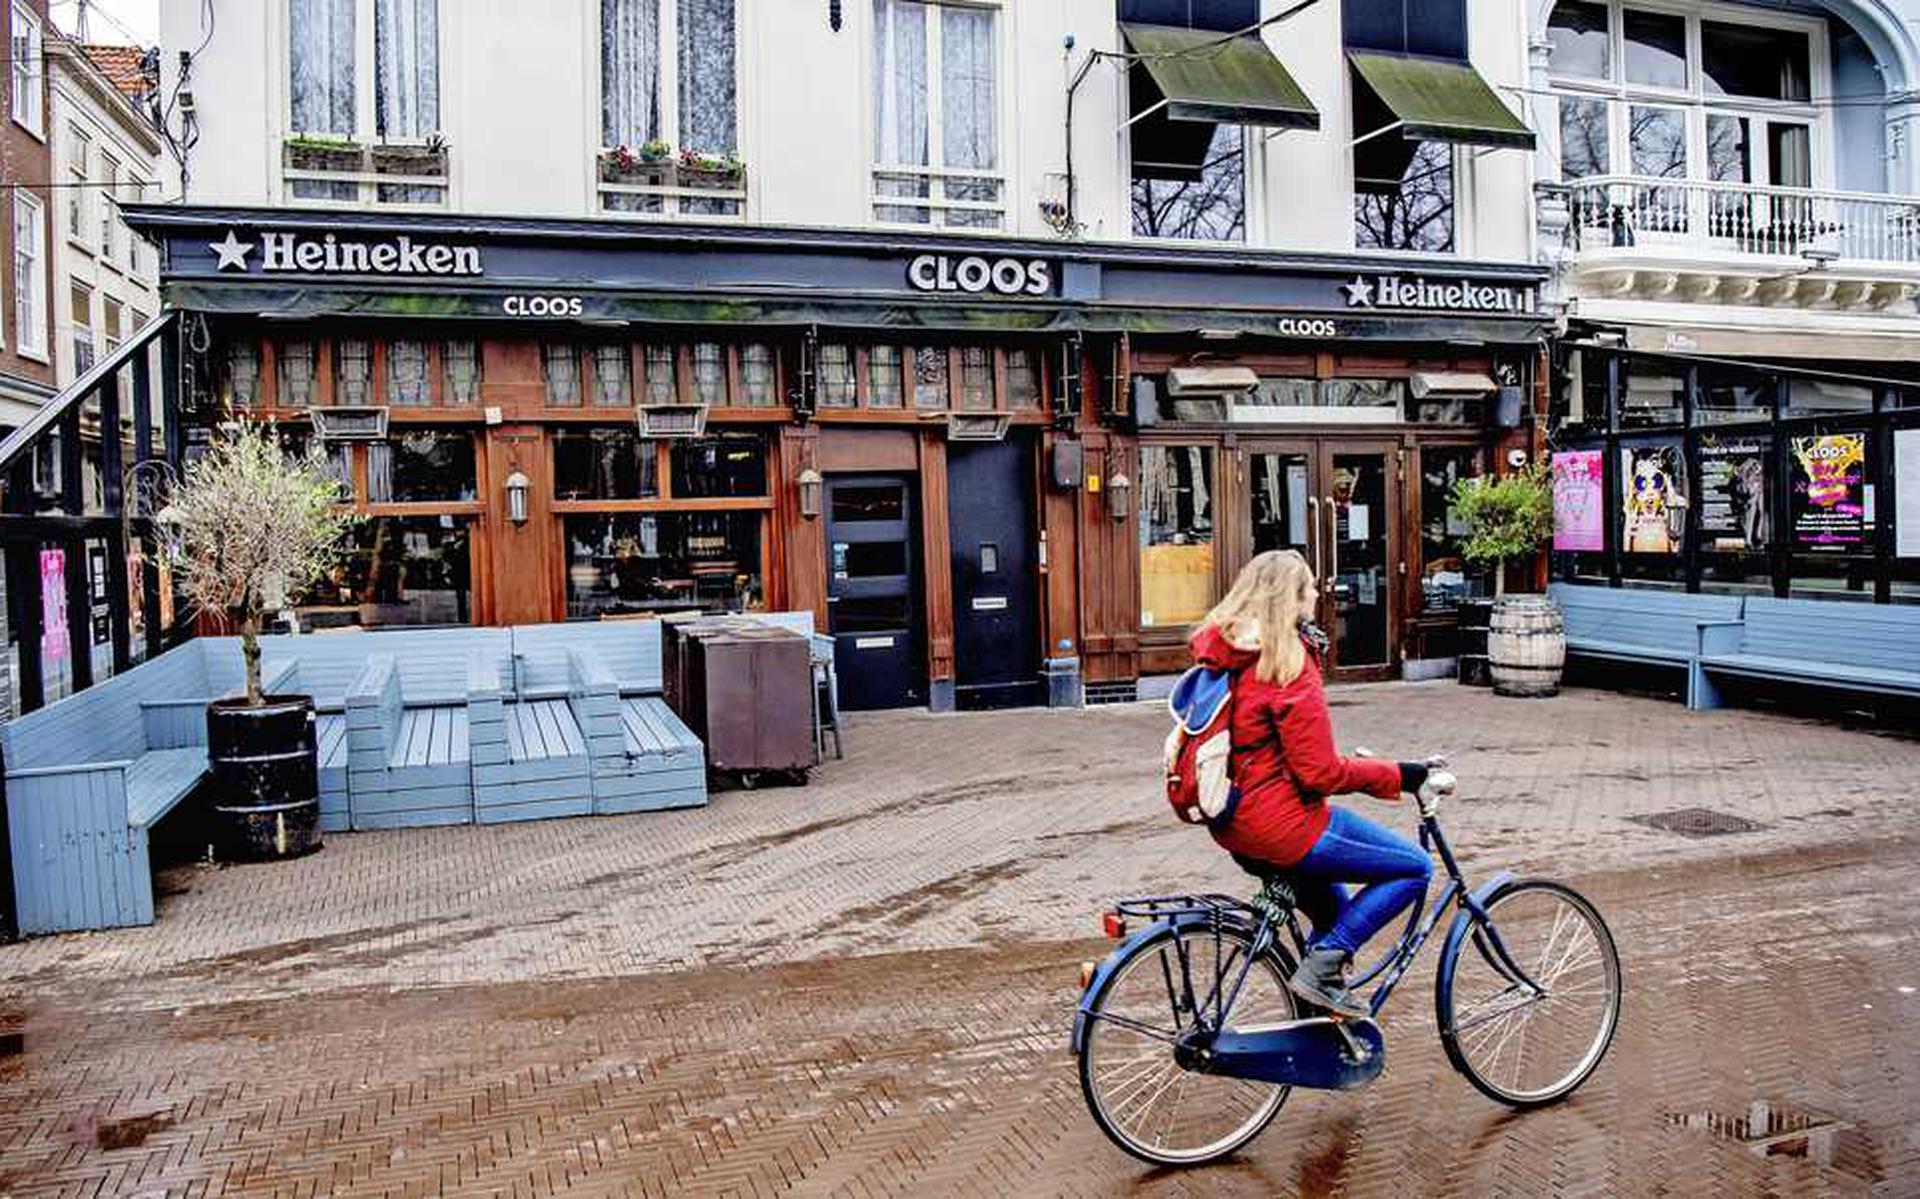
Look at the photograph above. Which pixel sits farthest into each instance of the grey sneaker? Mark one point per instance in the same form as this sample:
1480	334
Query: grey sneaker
1321	981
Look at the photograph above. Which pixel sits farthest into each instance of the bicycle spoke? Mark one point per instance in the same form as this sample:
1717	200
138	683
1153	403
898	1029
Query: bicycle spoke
1136	1026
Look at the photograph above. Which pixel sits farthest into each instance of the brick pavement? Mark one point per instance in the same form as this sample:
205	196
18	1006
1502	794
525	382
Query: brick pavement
862	987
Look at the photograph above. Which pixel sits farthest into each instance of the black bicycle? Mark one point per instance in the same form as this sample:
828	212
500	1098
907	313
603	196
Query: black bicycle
1189	1040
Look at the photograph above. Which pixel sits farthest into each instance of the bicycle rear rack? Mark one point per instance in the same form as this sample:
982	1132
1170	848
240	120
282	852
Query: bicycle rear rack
1169	907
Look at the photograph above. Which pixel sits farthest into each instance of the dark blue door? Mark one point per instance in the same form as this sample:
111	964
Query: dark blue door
873	605
990	523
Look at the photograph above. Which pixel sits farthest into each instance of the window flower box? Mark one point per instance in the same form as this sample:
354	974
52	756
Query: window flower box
338	156
421	161
710	171
649	166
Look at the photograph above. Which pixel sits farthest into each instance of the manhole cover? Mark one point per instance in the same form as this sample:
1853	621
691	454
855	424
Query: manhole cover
1698	822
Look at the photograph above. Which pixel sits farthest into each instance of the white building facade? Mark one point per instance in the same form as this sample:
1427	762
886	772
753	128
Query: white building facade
105	154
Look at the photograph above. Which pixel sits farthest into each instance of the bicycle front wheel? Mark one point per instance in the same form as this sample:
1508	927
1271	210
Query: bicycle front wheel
1530	1038
1142	1097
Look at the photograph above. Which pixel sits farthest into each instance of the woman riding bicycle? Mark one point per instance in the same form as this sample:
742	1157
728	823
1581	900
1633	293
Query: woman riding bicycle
1285	767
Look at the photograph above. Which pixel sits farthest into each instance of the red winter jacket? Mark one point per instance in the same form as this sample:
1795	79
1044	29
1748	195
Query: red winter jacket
1284	761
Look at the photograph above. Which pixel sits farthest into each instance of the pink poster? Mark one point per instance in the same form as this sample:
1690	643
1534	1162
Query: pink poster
53	604
1579	511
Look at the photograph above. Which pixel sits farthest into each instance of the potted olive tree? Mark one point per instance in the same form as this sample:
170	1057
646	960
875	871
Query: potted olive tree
1508	519
255	526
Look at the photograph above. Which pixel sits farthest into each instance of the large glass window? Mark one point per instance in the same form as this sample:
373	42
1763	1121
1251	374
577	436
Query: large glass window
1210	208
420	467
411	570
1754	60
1413	212
80	317
669	80
406	55
29	102
79	155
338	98
1177	582
663	562
1656	48
604	464
1582	40
728	465
321	62
1446	576
29	271
936	152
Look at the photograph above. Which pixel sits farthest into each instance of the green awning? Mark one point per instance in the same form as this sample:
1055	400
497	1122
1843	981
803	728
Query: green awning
1431	100
1202	78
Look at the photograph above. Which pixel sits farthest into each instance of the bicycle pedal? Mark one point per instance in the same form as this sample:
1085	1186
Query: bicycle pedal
1355	1052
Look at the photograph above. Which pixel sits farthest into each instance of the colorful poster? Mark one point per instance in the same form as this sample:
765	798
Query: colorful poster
1830	493
1906	493
1579	508
1735	507
53	605
1653	498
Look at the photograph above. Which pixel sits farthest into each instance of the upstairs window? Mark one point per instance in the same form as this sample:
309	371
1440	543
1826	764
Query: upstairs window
29	103
29	274
82	317
1210	207
669	103
1411	212
109	218
79	155
364	112
936	152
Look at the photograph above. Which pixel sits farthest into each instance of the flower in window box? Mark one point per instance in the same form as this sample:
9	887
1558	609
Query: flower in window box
429	159
710	170
306	152
655	151
622	165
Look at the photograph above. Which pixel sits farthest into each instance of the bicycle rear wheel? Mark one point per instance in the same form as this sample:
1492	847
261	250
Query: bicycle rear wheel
1521	1046
1144	1099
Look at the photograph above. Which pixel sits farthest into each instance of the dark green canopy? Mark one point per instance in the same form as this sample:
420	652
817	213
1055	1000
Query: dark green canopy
1433	100
1192	80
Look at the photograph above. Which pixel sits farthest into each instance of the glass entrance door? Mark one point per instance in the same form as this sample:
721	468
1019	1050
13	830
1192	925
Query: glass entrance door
1337	503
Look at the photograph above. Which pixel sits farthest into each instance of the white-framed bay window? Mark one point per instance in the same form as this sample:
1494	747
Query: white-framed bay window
29	101
936	95
363	103
29	275
670	80
1731	104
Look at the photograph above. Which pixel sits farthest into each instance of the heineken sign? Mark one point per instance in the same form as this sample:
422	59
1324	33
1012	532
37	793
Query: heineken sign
1404	291
295	253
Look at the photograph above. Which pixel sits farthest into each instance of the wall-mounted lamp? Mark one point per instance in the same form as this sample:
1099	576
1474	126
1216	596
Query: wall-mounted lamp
517	485
1119	496
811	486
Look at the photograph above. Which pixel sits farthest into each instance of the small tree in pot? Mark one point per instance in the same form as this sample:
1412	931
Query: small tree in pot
1508	519
256	526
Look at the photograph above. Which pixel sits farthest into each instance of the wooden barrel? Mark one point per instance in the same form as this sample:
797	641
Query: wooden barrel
1526	646
1473	615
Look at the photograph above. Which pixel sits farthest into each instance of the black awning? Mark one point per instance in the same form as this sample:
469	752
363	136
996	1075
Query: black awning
1192	80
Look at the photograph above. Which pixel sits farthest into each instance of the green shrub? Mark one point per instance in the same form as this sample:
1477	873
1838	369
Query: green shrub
1508	518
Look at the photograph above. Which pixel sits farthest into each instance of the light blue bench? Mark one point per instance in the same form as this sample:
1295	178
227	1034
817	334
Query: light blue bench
407	766
643	757
529	757
1829	643
89	776
1649	628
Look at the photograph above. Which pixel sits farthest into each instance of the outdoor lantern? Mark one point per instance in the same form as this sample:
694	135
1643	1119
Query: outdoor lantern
1119	496
517	484
811	486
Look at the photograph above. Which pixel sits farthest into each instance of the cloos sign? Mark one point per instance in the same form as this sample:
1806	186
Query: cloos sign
976	275
294	253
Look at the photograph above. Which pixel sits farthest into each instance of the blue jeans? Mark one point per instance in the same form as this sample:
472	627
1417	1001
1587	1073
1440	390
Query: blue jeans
1394	872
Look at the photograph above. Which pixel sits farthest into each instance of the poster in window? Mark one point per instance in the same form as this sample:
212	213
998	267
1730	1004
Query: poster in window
1653	498
1579	509
1735	510
1906	492
1830	493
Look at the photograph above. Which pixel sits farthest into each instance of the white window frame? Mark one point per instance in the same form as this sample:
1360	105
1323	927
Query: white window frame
1694	99
77	333
28	98
80	155
112	332
669	109
30	302
109	217
365	124
933	172
130	187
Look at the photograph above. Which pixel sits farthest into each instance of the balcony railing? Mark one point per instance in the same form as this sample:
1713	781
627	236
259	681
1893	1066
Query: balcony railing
1743	218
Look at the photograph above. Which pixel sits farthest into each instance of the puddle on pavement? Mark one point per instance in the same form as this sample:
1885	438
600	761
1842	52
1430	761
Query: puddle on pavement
128	1132
1769	1130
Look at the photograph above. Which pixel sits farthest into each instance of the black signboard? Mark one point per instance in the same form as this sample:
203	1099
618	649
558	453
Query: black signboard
1736	514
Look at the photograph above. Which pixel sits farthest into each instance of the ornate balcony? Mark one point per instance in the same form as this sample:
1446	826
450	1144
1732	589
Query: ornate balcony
1690	241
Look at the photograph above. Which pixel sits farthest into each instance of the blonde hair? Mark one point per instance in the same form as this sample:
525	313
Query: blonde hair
1266	604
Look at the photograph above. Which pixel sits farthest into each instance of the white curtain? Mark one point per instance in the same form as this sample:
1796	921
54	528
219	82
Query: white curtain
967	127
320	57
406	55
629	72
707	76
900	83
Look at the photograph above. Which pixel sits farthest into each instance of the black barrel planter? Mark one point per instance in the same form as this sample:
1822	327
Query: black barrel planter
1475	615
263	783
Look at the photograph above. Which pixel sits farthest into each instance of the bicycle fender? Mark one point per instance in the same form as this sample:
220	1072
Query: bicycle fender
1112	962
1474	902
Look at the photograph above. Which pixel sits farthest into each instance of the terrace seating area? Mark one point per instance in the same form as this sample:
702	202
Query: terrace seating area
413	728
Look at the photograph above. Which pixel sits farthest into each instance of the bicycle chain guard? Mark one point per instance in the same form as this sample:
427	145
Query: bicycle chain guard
1302	1053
